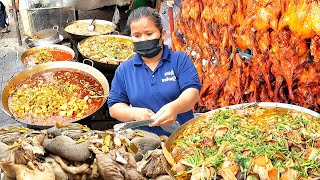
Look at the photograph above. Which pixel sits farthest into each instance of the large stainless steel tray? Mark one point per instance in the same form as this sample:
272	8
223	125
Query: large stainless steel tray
12	83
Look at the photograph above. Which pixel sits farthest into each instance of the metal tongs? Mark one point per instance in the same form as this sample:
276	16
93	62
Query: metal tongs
131	124
247	105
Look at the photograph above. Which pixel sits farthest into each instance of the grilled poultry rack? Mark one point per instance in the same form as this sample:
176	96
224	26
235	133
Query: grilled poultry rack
283	37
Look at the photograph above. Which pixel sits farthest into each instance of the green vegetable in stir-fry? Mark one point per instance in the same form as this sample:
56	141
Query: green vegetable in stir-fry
256	142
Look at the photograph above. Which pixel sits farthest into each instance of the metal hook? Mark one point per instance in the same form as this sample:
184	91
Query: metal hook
55	27
69	21
117	32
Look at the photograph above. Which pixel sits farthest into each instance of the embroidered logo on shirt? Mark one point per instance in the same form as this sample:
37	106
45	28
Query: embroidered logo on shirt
169	76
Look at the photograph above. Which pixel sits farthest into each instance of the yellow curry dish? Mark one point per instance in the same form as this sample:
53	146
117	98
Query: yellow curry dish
266	143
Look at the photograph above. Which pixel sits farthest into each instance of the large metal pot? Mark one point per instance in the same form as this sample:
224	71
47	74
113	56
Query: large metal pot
15	80
180	130
52	47
44	37
109	65
79	37
31	43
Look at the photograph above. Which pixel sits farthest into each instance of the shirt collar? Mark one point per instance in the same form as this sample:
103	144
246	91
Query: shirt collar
166	56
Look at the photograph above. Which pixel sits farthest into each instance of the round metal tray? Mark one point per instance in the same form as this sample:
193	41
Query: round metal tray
180	130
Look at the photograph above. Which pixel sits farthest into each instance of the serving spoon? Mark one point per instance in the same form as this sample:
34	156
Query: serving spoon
97	96
91	97
91	27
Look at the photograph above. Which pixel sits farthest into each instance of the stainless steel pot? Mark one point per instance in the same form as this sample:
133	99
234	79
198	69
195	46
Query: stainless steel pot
44	37
47	35
15	80
180	130
79	37
53	47
31	43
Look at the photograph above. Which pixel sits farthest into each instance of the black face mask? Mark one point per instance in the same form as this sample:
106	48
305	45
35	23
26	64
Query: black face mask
149	48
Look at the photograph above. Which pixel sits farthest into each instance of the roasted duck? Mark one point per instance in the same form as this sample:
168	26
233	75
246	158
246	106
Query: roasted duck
281	41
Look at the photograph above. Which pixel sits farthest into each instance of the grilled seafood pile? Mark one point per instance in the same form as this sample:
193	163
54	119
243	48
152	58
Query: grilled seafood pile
75	152
52	97
284	40
252	143
106	48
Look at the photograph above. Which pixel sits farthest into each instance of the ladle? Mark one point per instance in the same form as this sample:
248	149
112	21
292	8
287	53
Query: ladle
91	27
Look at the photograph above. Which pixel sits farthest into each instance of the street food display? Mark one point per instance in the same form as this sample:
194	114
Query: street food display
76	152
283	38
55	96
80	28
249	143
107	48
46	55
244	51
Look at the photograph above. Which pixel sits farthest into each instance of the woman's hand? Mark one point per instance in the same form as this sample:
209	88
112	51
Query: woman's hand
140	114
167	115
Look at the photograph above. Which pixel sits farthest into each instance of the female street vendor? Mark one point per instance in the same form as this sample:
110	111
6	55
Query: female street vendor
157	83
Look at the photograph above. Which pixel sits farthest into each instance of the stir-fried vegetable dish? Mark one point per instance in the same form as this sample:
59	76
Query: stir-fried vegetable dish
58	96
107	48
252	143
80	28
46	55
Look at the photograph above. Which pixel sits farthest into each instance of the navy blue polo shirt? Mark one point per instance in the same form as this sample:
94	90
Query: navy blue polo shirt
136	84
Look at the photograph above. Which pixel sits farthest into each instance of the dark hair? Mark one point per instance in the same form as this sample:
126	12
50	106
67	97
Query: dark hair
145	12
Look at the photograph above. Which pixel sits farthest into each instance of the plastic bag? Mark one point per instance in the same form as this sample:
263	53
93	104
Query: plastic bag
116	16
